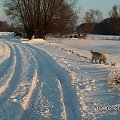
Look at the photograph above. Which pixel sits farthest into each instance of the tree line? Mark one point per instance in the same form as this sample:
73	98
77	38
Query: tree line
5	27
95	24
43	17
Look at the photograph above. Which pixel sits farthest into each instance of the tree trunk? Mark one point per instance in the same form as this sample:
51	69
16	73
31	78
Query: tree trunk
29	33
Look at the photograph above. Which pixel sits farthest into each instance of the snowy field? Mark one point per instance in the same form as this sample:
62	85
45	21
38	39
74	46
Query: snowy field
55	79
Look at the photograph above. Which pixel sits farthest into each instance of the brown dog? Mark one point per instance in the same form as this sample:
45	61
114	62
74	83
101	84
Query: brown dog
97	56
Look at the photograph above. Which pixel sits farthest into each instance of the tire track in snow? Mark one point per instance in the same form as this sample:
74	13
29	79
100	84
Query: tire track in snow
8	73
31	78
33	82
39	98
63	114
49	98
15	79
70	98
32	88
26	99
38	95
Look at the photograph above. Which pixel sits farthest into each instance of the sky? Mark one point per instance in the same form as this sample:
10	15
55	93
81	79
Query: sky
103	5
2	14
85	5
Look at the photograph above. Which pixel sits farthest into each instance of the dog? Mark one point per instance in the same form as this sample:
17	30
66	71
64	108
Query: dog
98	57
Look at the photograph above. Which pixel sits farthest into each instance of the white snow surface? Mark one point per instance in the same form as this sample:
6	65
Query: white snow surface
55	79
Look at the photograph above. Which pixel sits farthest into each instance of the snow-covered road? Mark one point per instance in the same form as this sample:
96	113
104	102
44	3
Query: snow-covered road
43	81
34	87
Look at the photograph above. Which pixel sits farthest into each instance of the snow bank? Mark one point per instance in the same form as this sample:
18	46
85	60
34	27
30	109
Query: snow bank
4	52
33	41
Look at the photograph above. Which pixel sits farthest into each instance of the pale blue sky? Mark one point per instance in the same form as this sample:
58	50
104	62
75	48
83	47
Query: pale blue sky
2	14
103	5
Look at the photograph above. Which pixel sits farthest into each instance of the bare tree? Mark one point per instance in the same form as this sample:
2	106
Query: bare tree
41	17
92	17
115	12
114	19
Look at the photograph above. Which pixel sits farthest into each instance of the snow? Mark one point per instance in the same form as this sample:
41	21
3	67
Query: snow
55	79
4	49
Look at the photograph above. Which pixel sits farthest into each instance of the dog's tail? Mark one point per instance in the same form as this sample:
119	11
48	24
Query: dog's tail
91	51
